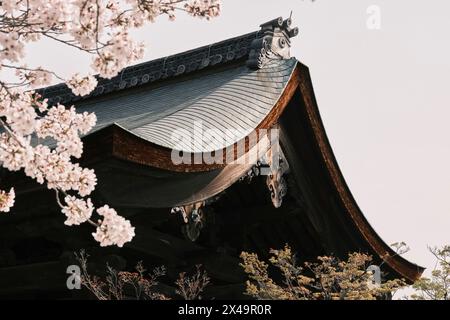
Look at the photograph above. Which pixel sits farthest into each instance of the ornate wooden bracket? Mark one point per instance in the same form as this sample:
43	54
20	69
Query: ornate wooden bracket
194	217
275	180
275	169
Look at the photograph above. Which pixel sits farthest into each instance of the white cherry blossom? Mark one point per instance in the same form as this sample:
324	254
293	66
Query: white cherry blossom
77	210
114	229
44	140
7	200
82	86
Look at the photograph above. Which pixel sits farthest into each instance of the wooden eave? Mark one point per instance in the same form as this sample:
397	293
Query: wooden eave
114	142
128	147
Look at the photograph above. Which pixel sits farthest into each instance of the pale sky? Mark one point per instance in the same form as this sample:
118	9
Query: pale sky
384	97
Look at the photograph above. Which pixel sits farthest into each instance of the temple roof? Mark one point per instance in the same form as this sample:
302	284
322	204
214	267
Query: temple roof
165	68
226	86
221	53
245	83
236	99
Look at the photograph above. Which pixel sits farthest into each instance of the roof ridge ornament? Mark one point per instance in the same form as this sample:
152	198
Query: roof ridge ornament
273	42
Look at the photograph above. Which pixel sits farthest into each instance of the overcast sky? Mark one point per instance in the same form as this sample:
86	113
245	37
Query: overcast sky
383	95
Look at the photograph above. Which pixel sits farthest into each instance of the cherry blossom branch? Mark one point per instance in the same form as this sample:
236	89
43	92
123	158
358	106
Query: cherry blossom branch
100	28
39	69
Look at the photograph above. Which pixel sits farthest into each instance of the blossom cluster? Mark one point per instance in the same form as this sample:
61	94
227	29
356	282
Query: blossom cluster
82	86
203	8
77	210
114	229
44	140
7	200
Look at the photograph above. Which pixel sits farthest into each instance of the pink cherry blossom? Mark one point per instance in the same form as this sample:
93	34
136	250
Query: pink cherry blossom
114	229
82	86
101	29
15	152
77	210
7	200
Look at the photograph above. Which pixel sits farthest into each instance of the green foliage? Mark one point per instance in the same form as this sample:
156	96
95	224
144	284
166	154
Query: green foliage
327	279
438	286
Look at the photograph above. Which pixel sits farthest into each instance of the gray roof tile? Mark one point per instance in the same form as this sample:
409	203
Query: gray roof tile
236	98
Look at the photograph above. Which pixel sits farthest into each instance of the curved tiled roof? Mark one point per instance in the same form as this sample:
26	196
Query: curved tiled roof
161	69
234	95
233	102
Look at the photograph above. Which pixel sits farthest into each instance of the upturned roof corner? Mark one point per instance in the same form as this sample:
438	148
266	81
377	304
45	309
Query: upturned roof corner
273	42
